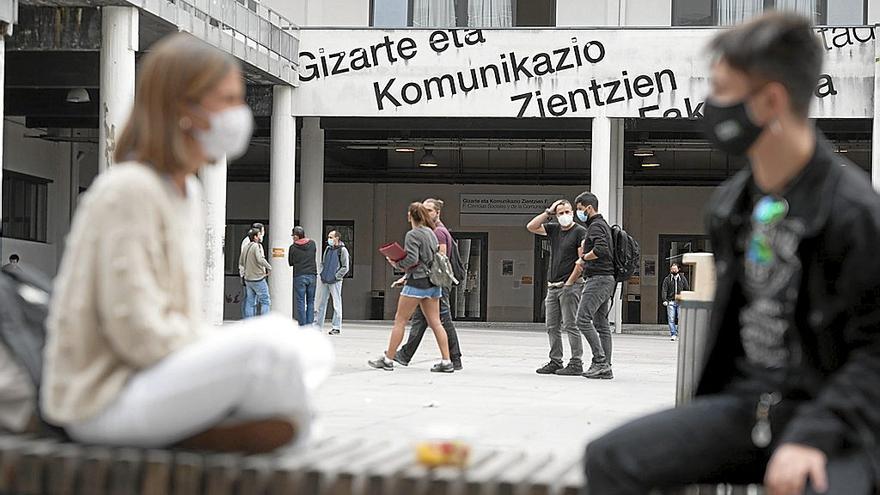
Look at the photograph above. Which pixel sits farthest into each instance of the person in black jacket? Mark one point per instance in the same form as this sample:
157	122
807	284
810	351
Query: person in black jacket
672	286
597	264
790	387
302	256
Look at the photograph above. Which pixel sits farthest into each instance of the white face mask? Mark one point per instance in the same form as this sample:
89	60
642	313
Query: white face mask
229	134
566	220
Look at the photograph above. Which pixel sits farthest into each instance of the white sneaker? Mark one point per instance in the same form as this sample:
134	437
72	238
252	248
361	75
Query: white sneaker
674	338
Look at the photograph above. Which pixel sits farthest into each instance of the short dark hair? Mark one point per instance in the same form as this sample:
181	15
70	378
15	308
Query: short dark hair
299	232
675	265
14	258
587	198
778	47
253	233
258	226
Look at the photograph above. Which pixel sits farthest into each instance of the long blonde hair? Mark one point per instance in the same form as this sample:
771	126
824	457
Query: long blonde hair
178	71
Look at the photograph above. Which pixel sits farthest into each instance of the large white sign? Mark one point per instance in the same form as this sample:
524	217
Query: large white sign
544	73
507	204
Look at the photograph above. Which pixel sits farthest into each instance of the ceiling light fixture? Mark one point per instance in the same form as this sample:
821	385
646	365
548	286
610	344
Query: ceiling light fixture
643	153
78	95
650	163
428	161
404	149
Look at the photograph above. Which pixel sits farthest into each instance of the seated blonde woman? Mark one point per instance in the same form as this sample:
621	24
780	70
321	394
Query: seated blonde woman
129	360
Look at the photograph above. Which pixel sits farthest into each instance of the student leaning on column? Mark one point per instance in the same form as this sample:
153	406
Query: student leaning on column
129	360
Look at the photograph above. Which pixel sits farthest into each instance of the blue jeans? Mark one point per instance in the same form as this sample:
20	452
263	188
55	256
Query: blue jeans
258	292
672	316
246	300
326	292
304	286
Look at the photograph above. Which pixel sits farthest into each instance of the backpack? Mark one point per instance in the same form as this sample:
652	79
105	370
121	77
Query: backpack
24	306
440	271
455	260
626	254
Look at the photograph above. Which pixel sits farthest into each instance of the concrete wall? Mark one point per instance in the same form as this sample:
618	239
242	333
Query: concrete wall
46	160
581	13
873	11
648	12
348	13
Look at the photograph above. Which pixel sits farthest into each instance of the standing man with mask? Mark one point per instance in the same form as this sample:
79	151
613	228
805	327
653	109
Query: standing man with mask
672	286
334	266
419	323
564	285
302	256
789	389
597	265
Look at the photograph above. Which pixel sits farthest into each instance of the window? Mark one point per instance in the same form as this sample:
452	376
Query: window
730	12
462	13
346	232
25	207
236	231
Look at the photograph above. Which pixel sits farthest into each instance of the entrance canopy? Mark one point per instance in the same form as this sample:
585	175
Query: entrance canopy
558	73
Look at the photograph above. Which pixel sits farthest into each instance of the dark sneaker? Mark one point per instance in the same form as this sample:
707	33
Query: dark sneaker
399	360
443	368
573	369
382	364
335	331
457	365
549	369
600	371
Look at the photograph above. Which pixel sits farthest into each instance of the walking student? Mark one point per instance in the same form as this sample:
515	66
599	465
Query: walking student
419	322
597	265
256	270
302	256
129	360
788	391
247	301
335	265
672	286
418	291
564	285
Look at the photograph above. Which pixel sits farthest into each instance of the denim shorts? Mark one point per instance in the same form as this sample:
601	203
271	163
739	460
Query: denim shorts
432	293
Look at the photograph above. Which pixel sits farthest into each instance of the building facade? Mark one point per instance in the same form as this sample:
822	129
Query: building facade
495	106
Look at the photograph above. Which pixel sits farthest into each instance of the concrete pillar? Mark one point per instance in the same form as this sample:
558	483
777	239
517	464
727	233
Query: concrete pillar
214	202
312	181
282	202
2	91
119	42
875	136
606	181
380	236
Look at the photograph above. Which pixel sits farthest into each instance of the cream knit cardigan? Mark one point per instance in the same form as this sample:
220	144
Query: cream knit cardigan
128	292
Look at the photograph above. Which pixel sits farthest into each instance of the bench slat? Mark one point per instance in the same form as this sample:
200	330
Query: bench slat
188	473
64	466
157	472
96	471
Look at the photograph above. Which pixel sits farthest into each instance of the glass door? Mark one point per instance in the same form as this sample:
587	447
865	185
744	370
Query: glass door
542	267
468	299
672	250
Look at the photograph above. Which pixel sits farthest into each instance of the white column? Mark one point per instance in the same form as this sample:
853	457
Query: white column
214	202
2	91
875	135
119	42
312	181
282	183
606	182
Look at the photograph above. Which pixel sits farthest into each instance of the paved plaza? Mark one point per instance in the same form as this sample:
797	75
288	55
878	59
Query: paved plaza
498	400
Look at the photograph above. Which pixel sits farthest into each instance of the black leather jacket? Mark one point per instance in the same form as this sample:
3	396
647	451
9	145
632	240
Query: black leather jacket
837	322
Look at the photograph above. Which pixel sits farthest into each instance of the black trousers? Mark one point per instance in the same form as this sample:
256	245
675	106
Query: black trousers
706	442
420	324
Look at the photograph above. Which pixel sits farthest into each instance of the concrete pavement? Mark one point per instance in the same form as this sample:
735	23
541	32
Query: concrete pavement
497	400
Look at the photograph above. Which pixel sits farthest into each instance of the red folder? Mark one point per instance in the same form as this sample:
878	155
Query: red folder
393	251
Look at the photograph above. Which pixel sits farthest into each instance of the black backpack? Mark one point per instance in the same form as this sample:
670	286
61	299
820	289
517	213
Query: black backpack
626	254
24	305
455	261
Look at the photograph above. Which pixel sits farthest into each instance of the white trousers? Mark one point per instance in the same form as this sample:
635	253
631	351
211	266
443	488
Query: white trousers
261	368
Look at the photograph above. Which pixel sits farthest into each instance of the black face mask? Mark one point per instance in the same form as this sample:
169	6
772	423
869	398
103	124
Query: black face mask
730	128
